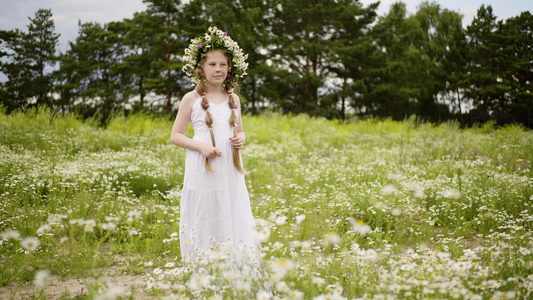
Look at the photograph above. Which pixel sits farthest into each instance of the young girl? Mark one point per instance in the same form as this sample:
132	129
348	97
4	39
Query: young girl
215	206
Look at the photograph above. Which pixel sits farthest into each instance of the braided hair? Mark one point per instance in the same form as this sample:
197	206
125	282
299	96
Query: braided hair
228	88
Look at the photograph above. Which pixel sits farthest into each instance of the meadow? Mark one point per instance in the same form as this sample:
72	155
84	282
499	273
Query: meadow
363	209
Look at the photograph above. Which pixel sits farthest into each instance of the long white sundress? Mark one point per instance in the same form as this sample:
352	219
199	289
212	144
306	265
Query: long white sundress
215	207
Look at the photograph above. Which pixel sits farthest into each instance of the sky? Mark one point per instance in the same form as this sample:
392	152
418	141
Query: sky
66	13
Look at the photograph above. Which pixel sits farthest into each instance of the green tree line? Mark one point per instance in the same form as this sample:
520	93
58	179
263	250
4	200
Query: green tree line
331	58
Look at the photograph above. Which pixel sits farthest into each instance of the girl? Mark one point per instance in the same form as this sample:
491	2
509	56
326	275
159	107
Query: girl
215	205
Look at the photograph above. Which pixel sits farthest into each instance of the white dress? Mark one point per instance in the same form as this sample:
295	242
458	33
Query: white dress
215	207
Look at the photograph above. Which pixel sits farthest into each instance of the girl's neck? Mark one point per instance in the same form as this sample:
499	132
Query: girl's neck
214	90
215	94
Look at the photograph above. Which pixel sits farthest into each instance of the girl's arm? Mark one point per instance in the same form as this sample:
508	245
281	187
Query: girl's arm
178	137
240	139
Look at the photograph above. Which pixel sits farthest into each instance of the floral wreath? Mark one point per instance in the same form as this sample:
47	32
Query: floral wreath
215	38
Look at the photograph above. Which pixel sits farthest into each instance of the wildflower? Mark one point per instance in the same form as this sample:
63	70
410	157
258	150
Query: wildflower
395	176
44	229
111	293
332	238
296	295
42	278
199	281
282	287
451	194
133	215
264	295
396	212
300	218
242	285
262	235
462	267
55	219
10	235
360	227
30	243
416	189
388	189
112	219
318	280
371	254
108	226
79	221
524	251
320	262
88	225
281	266
280	220
150	283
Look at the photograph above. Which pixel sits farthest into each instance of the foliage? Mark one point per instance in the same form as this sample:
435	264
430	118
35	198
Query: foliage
28	56
449	210
323	58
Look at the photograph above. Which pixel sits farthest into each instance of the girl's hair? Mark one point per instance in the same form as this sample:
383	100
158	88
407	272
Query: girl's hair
228	88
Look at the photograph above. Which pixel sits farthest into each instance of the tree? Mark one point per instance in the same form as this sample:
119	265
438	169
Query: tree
137	36
30	56
311	45
441	40
353	53
167	47
454	66
483	69
87	73
516	35
393	86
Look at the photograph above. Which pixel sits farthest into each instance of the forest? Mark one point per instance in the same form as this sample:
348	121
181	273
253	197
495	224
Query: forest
326	58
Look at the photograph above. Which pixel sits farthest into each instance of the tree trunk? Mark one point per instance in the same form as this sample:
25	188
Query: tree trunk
169	90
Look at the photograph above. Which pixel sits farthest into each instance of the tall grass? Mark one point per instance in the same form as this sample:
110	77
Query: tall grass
449	209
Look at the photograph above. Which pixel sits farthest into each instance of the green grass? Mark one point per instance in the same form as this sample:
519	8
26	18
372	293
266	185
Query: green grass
450	209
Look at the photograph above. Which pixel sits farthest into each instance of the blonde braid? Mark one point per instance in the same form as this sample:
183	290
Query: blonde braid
233	123
208	120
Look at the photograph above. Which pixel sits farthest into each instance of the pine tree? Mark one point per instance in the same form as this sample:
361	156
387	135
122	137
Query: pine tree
439	39
394	83
87	74
516	58
30	56
310	45
483	69
168	45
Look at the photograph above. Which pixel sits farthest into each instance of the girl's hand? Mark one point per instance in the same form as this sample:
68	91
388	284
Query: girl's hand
209	151
238	140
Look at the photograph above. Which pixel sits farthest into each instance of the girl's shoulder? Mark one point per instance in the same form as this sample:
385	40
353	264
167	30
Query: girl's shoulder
191	96
236	98
189	99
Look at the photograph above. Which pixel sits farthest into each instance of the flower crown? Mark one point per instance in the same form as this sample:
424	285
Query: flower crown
215	39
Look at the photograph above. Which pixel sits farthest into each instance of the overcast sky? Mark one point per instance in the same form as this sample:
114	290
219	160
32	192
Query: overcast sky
66	13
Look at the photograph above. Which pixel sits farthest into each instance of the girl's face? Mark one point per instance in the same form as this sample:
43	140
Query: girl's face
215	67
